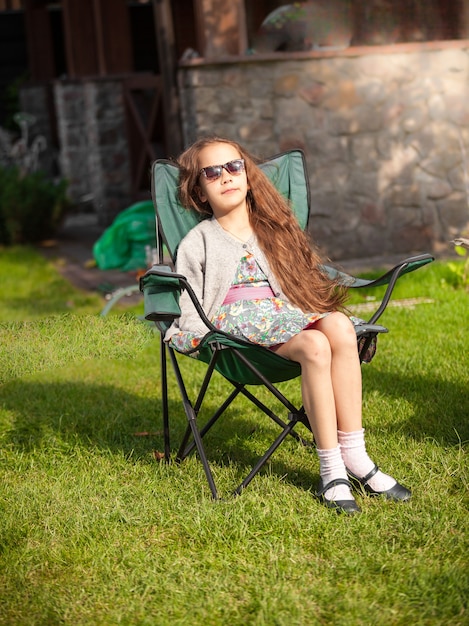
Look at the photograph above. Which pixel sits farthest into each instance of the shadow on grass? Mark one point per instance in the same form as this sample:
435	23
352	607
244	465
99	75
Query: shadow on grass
58	415
439	408
435	409
63	414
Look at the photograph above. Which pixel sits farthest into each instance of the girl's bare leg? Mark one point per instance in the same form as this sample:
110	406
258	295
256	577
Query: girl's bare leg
331	382
312	349
339	404
347	383
345	372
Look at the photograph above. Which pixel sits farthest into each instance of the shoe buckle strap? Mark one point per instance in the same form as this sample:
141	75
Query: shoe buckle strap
333	483
366	478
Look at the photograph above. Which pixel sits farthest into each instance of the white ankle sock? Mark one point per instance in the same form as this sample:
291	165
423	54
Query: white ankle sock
356	459
331	466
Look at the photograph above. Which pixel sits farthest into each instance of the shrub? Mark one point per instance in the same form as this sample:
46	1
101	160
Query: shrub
31	206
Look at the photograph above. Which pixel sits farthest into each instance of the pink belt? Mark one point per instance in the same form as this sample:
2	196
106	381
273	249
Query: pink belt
247	293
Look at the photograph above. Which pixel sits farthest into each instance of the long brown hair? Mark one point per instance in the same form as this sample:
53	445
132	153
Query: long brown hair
291	255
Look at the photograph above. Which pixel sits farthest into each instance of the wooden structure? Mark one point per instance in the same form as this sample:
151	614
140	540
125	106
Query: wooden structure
100	40
140	44
95	37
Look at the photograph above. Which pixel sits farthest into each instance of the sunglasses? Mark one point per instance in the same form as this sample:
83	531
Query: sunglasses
212	172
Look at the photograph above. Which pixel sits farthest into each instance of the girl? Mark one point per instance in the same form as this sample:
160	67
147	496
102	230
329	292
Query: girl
257	276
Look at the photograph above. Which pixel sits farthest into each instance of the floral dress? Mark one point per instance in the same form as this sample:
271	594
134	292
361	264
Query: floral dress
266	321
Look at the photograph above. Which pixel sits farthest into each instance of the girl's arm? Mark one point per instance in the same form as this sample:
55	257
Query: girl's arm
191	265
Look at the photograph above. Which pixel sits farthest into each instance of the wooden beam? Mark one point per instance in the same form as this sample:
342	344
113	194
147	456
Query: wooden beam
11	5
114	36
166	46
101	57
39	41
97	37
221	27
80	38
464	25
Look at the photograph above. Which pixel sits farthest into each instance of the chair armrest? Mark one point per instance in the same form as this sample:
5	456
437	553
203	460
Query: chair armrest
403	267
390	278
162	288
369	330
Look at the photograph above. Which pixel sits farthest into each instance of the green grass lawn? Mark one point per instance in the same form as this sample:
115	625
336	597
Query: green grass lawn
95	530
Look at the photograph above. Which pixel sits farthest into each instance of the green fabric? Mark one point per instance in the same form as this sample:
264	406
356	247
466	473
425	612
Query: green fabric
122	245
174	222
287	172
160	295
274	367
356	283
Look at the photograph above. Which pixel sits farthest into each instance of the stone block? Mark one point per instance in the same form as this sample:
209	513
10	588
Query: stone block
256	131
329	178
432	187
403	195
286	86
458	177
313	93
444	63
396	68
364	152
412	238
372	213
293	113
414	119
454	213
342	95
290	141
399	167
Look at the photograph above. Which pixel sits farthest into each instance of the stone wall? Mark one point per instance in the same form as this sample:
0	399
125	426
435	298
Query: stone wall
71	130
36	101
385	132
94	153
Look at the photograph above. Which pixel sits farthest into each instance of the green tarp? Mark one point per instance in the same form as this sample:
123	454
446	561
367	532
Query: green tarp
122	245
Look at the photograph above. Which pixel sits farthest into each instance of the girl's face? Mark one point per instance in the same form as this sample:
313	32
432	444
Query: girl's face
227	192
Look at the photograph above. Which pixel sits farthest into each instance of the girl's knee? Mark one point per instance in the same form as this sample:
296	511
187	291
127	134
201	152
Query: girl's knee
338	326
315	347
339	331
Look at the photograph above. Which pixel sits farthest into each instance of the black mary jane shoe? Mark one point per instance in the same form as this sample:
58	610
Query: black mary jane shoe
340	506
397	493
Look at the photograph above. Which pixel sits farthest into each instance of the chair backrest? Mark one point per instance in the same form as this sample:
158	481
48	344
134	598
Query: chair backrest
287	171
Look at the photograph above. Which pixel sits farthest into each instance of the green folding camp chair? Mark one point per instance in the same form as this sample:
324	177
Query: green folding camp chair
241	362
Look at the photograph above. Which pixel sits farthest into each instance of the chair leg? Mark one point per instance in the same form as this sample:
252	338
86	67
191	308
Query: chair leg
299	415
185	449
188	443
288	430
192	424
164	399
203	456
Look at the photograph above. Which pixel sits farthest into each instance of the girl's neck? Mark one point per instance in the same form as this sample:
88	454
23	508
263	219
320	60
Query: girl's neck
238	226
235	217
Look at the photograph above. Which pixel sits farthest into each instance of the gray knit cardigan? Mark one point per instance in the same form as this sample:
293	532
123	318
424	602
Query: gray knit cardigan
208	257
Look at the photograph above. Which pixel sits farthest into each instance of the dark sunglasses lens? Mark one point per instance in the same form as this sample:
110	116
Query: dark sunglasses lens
213	172
235	167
